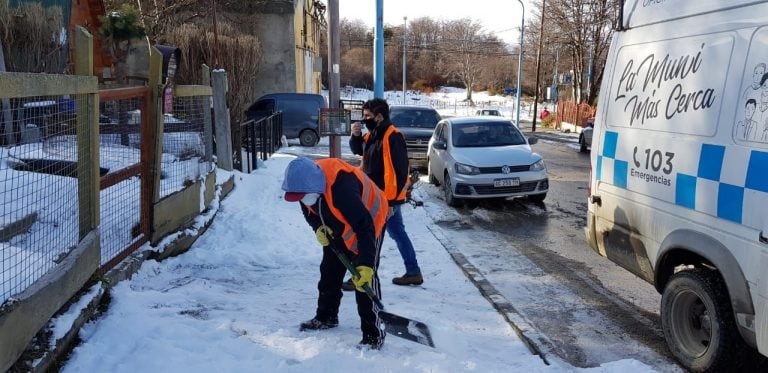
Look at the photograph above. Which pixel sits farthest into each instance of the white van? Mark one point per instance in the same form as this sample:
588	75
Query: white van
679	184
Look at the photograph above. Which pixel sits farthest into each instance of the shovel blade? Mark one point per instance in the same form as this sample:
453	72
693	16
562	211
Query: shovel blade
412	330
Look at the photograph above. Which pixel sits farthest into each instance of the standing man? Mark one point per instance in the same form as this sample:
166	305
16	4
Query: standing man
385	161
348	213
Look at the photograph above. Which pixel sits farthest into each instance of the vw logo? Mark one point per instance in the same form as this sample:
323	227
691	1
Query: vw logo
418	141
505	169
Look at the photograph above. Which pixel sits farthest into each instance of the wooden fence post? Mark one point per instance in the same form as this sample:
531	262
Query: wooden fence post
155	109
208	121
5	107
221	116
87	137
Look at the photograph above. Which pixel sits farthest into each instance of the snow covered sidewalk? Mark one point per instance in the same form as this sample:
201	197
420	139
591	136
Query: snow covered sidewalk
234	301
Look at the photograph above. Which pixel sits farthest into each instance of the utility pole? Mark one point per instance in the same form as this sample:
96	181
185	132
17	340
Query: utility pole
538	66
378	59
334	80
405	45
520	64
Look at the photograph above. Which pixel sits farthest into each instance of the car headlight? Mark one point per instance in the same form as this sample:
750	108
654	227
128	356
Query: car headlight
538	166
466	169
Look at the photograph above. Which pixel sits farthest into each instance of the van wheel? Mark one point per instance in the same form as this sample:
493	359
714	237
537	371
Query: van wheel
582	144
308	138
538	198
698	322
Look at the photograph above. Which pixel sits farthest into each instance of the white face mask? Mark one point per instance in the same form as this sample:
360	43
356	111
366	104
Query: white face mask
309	199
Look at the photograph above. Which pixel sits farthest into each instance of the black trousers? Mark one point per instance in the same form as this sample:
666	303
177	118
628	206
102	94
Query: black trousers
332	273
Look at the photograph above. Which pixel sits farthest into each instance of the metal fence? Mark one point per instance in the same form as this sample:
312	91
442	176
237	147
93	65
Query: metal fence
39	201
183	150
256	139
571	112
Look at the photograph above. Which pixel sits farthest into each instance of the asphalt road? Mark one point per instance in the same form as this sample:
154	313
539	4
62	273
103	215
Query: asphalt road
585	309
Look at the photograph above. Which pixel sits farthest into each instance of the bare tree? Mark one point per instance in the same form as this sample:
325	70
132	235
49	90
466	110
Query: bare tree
581	30
465	42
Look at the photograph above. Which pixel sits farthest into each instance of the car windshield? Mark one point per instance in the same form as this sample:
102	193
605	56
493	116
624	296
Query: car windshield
481	134
414	117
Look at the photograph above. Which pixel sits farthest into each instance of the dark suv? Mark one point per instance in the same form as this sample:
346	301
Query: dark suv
417	124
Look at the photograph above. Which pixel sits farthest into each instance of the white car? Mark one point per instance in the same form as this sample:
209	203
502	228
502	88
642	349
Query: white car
484	157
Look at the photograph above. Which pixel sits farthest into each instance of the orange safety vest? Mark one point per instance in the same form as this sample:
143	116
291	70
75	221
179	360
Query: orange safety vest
390	178
372	198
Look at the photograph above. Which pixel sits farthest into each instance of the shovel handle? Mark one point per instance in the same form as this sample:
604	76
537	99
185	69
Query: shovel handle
344	260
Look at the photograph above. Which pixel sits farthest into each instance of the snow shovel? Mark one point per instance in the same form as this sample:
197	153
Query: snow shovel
398	326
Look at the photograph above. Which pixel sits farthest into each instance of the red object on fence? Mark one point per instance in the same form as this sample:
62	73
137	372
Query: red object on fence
168	99
544	114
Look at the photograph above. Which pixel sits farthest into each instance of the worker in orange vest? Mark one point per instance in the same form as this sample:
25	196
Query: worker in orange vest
348	214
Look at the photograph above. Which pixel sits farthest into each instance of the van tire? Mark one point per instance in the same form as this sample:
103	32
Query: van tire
308	138
538	198
582	144
698	322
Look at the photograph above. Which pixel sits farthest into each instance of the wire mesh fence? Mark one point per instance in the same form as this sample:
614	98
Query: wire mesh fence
123	119
183	150
39	214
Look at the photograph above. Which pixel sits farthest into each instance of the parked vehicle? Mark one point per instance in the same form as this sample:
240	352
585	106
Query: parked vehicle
493	112
301	114
485	157
585	137
679	185
416	123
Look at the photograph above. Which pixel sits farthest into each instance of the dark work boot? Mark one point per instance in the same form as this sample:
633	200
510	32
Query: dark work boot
371	342
316	324
408	280
348	285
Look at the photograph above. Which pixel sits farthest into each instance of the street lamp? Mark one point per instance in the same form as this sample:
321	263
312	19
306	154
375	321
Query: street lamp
405	44
520	63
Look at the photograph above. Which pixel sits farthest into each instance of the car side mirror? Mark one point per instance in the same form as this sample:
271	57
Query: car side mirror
532	140
440	145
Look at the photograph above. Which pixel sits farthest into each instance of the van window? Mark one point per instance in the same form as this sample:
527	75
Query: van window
263	106
308	107
750	124
671	86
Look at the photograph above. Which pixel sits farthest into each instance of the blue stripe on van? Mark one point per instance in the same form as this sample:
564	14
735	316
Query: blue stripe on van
609	144
685	191
757	171
711	161
730	201
599	171
620	171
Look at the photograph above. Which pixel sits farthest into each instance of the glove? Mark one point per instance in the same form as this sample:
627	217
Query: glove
365	278
323	234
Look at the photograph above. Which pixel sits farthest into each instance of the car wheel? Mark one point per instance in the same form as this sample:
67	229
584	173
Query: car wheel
538	198
308	138
450	199
582	144
430	176
698	322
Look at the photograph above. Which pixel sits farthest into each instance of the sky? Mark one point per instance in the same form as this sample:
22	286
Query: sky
234	301
499	17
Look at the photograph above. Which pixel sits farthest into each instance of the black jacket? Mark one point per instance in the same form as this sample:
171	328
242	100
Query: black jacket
356	214
373	156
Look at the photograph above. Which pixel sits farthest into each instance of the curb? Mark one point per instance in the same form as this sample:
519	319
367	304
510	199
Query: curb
43	355
536	343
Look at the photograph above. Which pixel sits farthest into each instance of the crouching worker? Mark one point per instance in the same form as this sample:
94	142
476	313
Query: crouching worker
347	212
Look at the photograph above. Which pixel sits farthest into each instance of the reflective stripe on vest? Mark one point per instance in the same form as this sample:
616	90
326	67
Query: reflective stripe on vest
371	197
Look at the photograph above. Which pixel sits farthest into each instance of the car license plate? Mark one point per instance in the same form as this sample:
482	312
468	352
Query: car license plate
500	183
417	155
